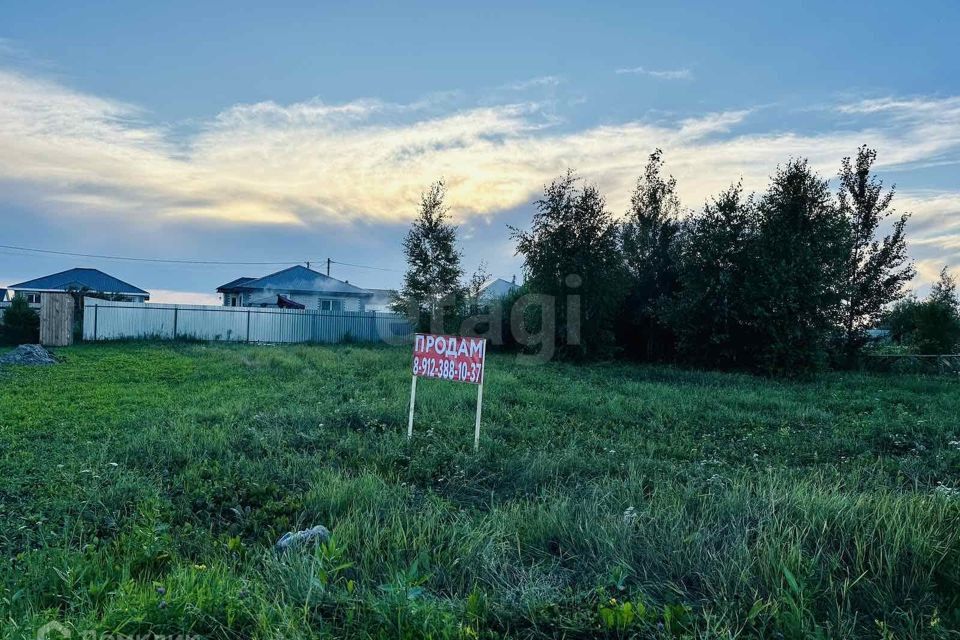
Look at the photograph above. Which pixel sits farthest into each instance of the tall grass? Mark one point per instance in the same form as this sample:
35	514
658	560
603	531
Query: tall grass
142	488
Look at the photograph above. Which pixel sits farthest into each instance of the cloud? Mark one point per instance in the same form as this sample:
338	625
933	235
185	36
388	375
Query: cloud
667	74
366	161
532	83
933	232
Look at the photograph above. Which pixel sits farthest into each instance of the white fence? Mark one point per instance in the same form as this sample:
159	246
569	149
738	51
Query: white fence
107	320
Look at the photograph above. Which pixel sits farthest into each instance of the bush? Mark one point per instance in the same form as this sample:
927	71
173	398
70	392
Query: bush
21	324
932	325
937	328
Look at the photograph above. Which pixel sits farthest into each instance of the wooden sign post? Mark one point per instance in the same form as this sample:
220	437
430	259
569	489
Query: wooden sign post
455	358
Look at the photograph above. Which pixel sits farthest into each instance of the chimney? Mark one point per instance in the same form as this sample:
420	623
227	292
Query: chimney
514	279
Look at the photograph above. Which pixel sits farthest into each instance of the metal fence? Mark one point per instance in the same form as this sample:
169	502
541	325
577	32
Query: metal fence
107	320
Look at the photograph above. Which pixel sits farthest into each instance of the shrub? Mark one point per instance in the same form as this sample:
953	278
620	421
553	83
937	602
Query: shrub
21	324
931	325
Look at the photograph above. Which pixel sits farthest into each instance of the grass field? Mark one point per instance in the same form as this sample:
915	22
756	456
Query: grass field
142	488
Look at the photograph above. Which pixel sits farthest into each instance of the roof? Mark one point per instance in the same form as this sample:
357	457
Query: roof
297	279
286	303
233	285
382	296
79	278
496	288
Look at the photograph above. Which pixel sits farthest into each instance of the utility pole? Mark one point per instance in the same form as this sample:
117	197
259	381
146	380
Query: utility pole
328	266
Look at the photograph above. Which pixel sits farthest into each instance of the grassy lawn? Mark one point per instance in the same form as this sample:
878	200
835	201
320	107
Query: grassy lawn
142	488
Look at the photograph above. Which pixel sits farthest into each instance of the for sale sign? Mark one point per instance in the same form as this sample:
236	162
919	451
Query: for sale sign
454	358
448	358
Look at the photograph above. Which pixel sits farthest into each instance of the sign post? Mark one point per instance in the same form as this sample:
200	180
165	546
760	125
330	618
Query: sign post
476	430
455	358
413	401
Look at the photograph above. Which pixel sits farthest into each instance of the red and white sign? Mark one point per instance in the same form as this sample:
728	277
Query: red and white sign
454	358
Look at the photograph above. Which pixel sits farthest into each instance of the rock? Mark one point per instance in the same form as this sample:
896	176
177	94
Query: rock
28	354
318	534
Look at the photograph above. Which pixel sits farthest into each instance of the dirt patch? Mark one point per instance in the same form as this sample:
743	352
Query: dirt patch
29	354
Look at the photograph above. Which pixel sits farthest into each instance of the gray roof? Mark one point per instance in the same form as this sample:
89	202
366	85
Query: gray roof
90	279
297	279
235	285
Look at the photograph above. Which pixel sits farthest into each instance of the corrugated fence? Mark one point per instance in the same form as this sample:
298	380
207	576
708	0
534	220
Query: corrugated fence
107	320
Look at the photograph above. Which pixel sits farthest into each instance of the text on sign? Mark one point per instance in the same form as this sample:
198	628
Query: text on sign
454	358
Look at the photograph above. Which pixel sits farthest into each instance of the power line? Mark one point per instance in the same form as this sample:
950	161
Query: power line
133	259
184	261
363	266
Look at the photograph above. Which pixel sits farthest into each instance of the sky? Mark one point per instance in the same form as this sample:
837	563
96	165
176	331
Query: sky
278	133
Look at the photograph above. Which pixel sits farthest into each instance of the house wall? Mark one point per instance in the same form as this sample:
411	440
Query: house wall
310	301
34	298
35	304
380	307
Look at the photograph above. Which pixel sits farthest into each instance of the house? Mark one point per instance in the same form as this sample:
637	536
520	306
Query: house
297	288
495	289
91	281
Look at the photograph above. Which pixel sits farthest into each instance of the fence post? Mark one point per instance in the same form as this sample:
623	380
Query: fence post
248	326
96	308
175	312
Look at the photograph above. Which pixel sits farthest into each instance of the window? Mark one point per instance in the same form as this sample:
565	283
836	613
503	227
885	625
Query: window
32	298
330	305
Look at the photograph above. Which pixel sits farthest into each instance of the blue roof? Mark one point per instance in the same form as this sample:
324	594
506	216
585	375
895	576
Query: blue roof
235	285
299	279
91	279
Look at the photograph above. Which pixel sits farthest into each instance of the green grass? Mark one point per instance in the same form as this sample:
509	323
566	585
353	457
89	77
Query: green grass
142	487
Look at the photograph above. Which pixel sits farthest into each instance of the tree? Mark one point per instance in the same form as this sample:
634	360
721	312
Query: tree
709	314
930	326
649	236
944	290
900	319
573	249
431	285
796	278
877	268
938	321
475	285
21	324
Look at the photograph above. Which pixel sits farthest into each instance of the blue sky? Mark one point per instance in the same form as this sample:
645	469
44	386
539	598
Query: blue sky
246	132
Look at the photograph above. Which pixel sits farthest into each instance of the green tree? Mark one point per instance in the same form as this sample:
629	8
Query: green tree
432	284
475	286
900	319
710	315
932	325
21	324
649	239
796	278
572	255
877	269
